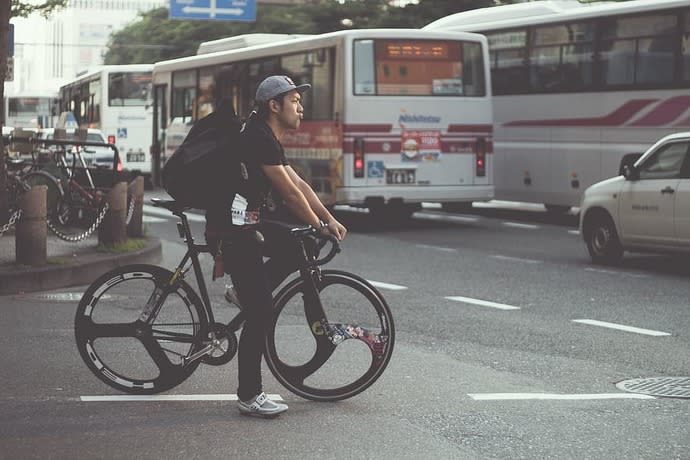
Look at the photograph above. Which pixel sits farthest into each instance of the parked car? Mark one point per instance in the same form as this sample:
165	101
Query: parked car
94	156
645	209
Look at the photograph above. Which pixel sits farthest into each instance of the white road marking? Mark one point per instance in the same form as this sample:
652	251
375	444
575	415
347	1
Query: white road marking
445	217
483	303
524	396
152	210
614	272
218	397
436	248
392	287
517	259
574	232
518	225
621	327
152	220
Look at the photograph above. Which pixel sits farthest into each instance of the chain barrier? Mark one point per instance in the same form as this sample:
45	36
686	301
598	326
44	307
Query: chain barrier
10	223
89	231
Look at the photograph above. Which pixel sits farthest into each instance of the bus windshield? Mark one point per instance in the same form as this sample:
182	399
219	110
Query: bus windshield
129	88
418	68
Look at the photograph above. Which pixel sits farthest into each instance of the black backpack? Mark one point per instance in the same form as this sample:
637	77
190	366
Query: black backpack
205	171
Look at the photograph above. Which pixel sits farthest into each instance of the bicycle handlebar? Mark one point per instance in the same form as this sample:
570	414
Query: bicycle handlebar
322	240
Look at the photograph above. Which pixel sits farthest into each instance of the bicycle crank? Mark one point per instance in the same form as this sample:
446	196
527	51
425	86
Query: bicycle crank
222	346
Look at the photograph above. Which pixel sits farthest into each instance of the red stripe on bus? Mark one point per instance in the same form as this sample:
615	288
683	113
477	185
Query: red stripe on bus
470	128
377	147
665	112
685	122
615	118
367	128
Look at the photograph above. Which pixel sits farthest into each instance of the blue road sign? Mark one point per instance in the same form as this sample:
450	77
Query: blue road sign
219	10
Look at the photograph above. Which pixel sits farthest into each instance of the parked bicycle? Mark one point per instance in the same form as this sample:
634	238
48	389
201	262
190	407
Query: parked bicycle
143	329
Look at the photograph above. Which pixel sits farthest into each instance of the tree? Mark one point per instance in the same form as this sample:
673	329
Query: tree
155	37
7	11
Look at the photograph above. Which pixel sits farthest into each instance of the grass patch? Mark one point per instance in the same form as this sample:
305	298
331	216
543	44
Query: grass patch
59	260
129	245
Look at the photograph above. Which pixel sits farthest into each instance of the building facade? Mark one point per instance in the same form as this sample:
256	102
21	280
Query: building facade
50	52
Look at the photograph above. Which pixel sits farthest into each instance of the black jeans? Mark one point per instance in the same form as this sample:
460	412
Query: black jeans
255	281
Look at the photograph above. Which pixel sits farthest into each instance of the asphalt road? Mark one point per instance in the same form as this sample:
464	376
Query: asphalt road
509	345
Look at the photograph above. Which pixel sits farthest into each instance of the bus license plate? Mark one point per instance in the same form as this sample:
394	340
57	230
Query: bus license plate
135	157
400	176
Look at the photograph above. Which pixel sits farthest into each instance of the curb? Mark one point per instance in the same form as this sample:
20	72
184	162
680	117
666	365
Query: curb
82	270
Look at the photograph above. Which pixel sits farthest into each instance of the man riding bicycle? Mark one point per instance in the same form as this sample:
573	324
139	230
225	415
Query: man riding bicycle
277	199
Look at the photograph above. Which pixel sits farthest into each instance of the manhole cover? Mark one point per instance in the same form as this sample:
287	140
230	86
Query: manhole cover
668	387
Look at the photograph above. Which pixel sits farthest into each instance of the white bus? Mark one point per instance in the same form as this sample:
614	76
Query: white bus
579	86
32	111
394	117
117	100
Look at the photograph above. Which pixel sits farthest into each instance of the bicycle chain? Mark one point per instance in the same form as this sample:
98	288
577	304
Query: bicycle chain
10	223
89	231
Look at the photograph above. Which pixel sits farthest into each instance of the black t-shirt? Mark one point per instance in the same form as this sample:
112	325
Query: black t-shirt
259	146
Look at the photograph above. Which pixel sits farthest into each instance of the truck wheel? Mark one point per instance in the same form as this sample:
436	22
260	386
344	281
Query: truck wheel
602	241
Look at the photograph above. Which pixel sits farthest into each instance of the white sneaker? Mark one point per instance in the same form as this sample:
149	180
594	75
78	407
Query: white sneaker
262	406
231	296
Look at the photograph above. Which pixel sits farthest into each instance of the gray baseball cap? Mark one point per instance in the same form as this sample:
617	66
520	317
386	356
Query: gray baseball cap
276	85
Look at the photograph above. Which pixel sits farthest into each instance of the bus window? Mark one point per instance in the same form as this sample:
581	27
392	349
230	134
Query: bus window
95	100
418	68
508	58
183	95
638	49
314	67
130	89
561	57
205	101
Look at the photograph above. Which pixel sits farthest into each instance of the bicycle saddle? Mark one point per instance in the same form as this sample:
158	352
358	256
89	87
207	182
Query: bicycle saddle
171	205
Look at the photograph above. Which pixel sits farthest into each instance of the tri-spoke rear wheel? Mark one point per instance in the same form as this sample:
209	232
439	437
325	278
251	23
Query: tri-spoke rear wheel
123	349
338	356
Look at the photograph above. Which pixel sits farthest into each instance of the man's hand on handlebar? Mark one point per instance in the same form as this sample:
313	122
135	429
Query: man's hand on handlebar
334	228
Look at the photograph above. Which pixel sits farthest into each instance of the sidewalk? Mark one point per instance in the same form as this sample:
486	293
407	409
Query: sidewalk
69	264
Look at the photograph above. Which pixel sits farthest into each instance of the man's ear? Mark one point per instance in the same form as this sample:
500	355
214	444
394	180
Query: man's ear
274	106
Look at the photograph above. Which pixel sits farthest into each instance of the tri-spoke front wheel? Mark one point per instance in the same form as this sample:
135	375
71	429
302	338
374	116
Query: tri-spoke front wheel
338	354
133	351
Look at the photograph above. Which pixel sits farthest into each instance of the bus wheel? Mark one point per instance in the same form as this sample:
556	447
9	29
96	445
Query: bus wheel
603	244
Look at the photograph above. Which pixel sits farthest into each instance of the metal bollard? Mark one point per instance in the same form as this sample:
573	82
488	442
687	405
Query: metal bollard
135	188
32	232
113	228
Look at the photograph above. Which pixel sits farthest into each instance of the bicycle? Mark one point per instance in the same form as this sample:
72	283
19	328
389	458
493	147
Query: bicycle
73	200
149	343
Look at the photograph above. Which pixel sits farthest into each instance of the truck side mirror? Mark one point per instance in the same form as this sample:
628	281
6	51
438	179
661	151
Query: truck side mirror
630	173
